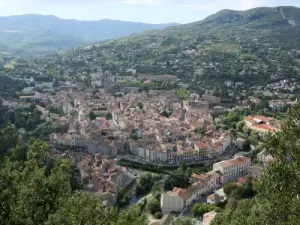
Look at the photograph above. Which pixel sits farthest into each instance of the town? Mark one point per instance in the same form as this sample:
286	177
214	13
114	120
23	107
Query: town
115	132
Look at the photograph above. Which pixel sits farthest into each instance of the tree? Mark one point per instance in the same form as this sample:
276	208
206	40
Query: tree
277	198
140	105
228	188
155	188
232	117
92	115
254	137
200	209
248	191
153	206
20	119
177	179
36	189
239	126
8	140
158	215
182	93
246	146
246	130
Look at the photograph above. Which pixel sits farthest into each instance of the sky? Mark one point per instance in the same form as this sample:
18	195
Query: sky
148	11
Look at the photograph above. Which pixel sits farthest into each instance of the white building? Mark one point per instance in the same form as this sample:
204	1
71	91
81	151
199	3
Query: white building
194	192
233	168
67	108
173	201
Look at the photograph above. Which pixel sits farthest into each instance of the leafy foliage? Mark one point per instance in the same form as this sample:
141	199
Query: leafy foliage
146	184
182	93
36	189
277	199
179	178
153	206
200	209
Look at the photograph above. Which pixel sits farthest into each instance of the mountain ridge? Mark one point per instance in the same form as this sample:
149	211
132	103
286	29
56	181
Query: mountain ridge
255	46
43	34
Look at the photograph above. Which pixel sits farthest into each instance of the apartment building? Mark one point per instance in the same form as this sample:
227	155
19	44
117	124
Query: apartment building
173	201
233	168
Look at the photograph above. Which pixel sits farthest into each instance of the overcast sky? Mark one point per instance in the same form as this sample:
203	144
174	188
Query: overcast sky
149	11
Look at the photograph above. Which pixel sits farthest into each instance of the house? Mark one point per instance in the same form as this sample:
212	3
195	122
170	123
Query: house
209	217
214	199
173	201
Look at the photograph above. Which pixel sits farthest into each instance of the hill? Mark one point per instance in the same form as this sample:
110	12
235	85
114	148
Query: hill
39	34
254	46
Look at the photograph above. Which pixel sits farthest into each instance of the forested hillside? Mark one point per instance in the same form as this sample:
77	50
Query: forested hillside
254	46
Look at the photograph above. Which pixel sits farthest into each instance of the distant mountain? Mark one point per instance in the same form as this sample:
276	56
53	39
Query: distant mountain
256	46
48	34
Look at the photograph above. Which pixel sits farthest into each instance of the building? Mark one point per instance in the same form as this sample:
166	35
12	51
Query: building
173	201
233	168
210	180
195	192
262	124
67	108
214	199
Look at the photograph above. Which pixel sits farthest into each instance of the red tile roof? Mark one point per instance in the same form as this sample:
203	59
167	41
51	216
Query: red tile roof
178	192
